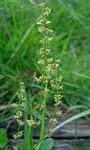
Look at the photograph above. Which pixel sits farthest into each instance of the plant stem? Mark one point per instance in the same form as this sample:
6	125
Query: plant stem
29	138
30	131
25	123
43	120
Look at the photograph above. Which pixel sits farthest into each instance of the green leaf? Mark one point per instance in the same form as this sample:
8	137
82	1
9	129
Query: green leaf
1	77
75	117
3	138
47	144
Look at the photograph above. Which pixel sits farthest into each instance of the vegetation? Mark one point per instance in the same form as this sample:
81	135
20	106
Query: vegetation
19	52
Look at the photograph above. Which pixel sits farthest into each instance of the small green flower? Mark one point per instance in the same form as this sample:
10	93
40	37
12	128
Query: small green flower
51	70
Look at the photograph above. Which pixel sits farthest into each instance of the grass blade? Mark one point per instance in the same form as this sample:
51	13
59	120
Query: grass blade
82	114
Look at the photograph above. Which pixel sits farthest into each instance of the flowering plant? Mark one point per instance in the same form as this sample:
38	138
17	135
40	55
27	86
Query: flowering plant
50	82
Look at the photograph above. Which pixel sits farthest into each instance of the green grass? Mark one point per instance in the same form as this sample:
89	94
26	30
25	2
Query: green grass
19	45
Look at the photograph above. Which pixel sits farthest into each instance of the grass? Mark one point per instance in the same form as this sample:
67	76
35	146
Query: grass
19	45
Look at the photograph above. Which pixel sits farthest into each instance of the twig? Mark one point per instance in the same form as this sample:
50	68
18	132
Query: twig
5	107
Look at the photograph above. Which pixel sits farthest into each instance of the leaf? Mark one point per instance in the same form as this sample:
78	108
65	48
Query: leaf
1	77
3	138
47	144
75	117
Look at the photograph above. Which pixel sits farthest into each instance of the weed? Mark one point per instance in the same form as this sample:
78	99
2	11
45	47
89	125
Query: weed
50	81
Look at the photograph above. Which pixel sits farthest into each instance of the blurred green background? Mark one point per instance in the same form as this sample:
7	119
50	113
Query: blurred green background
19	47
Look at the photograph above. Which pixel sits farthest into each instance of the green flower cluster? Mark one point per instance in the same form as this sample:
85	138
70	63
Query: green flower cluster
50	81
50	67
19	113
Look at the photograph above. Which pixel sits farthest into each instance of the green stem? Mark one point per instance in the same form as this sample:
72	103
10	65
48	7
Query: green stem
25	122
43	120
30	131
30	138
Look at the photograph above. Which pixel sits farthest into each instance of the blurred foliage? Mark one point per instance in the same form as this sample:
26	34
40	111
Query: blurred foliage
19	46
